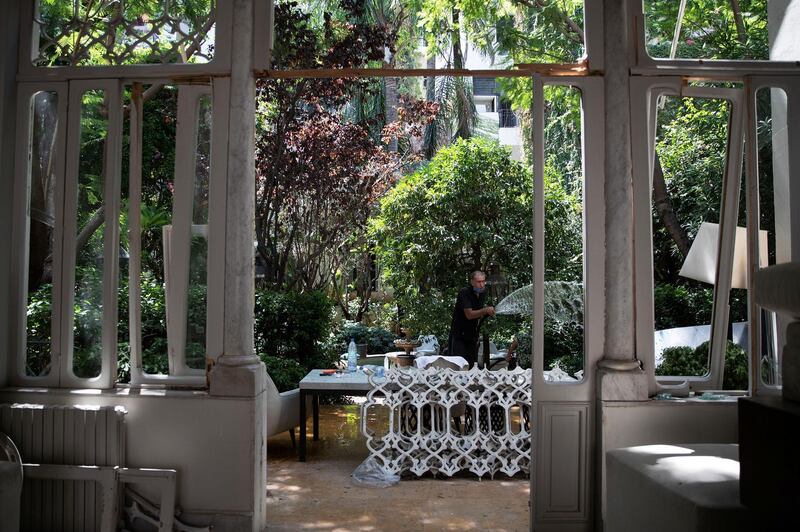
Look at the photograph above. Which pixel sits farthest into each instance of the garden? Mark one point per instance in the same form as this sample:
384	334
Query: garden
376	197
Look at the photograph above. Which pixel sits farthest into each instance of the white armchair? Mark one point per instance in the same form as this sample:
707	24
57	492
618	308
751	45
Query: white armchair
497	357
283	410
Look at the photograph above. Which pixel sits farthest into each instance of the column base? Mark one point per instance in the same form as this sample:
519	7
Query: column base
243	378
620	384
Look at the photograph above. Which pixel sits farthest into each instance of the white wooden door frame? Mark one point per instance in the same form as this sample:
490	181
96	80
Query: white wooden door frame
563	414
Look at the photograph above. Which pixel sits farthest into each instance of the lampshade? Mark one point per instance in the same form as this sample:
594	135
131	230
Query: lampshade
701	262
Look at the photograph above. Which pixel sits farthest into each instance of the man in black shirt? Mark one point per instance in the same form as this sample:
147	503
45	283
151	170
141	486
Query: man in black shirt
467	314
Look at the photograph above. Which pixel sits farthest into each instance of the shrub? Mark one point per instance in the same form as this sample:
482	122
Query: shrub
39	316
685	361
377	339
681	306
524	349
292	325
686	305
563	344
284	372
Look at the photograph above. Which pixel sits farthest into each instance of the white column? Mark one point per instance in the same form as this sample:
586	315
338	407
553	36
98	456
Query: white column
620	376
239	371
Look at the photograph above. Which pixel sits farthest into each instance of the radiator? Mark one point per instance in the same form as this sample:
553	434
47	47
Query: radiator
68	435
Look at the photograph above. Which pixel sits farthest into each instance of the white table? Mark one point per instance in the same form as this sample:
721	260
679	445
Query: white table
316	384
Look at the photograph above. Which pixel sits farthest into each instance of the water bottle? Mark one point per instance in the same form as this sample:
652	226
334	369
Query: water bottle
352	356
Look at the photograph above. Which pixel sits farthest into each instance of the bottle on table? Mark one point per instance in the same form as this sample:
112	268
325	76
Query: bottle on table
352	356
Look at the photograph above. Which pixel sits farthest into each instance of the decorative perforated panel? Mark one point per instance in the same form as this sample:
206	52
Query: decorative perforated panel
123	32
445	421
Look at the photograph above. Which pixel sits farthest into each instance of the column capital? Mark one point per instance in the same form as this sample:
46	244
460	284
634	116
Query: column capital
618	365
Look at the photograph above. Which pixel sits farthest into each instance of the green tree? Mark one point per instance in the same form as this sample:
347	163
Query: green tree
710	29
470	207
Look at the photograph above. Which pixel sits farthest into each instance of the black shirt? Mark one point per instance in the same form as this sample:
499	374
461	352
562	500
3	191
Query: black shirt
461	327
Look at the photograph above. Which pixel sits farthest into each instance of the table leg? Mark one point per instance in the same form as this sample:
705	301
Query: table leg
315	410
301	453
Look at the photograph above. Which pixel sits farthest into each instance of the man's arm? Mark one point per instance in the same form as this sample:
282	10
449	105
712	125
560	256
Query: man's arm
473	314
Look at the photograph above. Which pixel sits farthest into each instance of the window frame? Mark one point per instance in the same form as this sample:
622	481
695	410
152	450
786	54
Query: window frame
791	87
220	63
592	142
180	374
644	63
67	158
644	95
21	234
32	79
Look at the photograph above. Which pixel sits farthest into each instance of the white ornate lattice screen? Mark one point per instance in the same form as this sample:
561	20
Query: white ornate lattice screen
445	421
124	32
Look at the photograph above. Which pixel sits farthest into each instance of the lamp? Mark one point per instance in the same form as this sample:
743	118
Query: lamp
701	261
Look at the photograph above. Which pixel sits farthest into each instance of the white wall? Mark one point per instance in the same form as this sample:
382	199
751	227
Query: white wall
209	440
625	424
783	22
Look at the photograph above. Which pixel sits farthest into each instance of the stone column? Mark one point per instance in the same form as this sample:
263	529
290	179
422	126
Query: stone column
620	377
238	371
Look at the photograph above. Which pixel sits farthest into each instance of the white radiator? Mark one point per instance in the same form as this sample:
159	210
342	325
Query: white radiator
67	435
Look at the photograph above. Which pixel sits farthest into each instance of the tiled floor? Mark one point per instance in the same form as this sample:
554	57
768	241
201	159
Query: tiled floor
320	494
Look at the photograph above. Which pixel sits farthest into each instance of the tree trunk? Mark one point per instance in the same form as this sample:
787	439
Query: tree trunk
455	40
430	95
741	32
463	100
663	205
42	186
90	227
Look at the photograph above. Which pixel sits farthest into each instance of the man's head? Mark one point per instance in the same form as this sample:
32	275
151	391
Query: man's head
478	281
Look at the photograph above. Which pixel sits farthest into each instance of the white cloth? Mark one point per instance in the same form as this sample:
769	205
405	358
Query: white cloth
423	361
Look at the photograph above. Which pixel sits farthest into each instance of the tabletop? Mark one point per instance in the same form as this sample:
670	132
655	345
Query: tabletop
338	381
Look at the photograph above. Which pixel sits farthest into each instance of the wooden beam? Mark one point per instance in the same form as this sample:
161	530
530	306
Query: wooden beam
521	70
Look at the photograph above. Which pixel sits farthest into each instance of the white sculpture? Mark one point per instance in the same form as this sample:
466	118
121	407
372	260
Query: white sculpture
421	436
